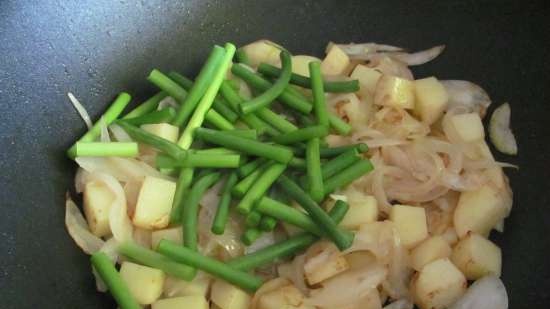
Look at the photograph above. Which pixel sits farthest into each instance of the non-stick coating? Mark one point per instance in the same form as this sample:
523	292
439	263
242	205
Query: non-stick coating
96	49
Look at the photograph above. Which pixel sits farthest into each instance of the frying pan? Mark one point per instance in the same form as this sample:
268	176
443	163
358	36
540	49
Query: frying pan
96	49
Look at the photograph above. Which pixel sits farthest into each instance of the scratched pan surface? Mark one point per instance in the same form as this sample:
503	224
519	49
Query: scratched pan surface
98	48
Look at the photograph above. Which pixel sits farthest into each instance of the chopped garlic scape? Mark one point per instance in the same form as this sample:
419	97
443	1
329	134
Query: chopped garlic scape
499	130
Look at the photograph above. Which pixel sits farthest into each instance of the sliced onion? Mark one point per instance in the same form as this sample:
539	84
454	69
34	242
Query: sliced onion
348	287
80	179
500	132
420	57
78	229
174	287
267	287
319	255
465	94
360	49
487	293
390	66
99	283
229	242
244	90
104	137
295	273
379	191
119	134
377	238
399	274
142	237
131	191
81	110
263	241
400	304
119	222
110	248
339	197
168	102
123	169
366	51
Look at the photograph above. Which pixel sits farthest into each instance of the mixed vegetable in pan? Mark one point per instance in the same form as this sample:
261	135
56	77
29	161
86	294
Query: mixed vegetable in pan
280	181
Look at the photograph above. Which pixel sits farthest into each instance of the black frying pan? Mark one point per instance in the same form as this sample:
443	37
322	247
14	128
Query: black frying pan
98	48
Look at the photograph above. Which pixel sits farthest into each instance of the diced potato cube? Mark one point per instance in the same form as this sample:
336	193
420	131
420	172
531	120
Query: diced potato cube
468	127
335	62
173	234
262	51
154	203
164	130
286	297
477	257
323	260
431	99
145	283
178	287
410	223
300	64
438	285
363	209
395	92
429	250
479	211
367	77
97	205
228	296
194	302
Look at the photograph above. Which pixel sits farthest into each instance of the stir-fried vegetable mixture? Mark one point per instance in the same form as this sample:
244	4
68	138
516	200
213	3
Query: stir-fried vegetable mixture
278	181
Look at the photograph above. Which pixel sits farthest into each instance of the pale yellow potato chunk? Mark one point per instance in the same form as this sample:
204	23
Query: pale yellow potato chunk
194	301
431	99
145	283
479	211
429	250
336	62
154	203
410	223
477	257
227	296
300	64
395	92
97	205
200	285
262	51
362	209
367	77
468	127
438	285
